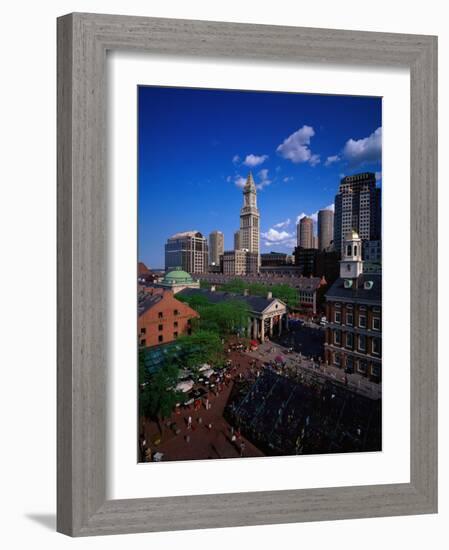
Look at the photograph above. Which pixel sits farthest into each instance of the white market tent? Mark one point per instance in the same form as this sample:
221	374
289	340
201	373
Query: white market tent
204	367
185	386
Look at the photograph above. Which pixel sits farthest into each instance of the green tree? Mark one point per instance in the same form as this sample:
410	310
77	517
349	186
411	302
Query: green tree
202	346
283	292
158	395
223	318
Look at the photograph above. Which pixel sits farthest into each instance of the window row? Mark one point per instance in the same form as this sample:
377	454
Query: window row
143	330
358	365
161	315
362	320
160	339
361	339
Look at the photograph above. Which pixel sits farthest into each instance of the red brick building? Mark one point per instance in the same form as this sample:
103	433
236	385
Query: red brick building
162	319
354	314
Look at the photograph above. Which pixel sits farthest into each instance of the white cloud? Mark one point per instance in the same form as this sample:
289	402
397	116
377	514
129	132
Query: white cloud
235	159
237	179
378	176
240	181
365	150
254	160
287	179
275	236
314	216
278	239
264	179
300	216
296	147
330	160
285	223
314	160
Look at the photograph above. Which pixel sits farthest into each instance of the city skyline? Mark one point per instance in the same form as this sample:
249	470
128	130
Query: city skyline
196	148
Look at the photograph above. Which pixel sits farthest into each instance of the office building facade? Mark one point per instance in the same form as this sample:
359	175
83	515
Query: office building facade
187	251
358	208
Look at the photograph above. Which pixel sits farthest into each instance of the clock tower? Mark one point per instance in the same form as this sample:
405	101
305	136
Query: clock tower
250	219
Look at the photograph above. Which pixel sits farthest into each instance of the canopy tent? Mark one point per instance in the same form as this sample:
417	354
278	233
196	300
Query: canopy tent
208	373
204	367
185	386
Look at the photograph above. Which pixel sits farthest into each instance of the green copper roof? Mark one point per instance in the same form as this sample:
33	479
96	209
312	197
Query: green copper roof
177	276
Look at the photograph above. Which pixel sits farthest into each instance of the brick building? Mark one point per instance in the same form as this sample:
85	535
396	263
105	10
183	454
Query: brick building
162	318
354	313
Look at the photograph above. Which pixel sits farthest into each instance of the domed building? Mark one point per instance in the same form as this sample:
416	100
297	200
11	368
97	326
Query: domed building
178	280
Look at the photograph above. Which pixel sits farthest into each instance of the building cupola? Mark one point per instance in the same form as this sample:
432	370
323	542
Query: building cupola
351	264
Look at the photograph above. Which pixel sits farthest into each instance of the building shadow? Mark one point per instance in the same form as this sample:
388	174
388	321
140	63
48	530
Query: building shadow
46	520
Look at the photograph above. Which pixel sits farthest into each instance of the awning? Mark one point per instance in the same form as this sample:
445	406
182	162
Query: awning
185	386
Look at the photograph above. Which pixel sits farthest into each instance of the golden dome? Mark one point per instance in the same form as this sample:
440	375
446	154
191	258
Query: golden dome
352	235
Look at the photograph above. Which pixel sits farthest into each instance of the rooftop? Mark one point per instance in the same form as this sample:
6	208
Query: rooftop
257	304
184	234
357	292
149	302
177	276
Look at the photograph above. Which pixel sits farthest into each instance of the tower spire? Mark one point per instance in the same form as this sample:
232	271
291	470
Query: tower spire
250	182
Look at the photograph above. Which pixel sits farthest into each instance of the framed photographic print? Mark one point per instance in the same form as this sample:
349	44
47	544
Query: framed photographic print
246	274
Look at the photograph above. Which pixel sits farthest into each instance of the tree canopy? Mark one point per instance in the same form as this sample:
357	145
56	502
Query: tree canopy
158	395
223	318
283	292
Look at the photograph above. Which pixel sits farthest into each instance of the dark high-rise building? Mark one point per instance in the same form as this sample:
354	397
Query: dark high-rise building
188	251
325	229
273	259
305	259
358	208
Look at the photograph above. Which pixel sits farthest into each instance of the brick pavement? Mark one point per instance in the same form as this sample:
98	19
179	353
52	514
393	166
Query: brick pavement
204	442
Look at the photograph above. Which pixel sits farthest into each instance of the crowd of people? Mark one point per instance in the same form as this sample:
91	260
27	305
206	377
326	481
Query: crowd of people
283	415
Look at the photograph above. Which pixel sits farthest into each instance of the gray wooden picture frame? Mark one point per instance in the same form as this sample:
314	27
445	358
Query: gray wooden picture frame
83	40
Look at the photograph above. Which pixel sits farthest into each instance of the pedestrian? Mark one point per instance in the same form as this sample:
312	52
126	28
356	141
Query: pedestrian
189	422
187	438
242	448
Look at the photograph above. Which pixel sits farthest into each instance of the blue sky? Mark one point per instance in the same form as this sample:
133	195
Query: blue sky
197	146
